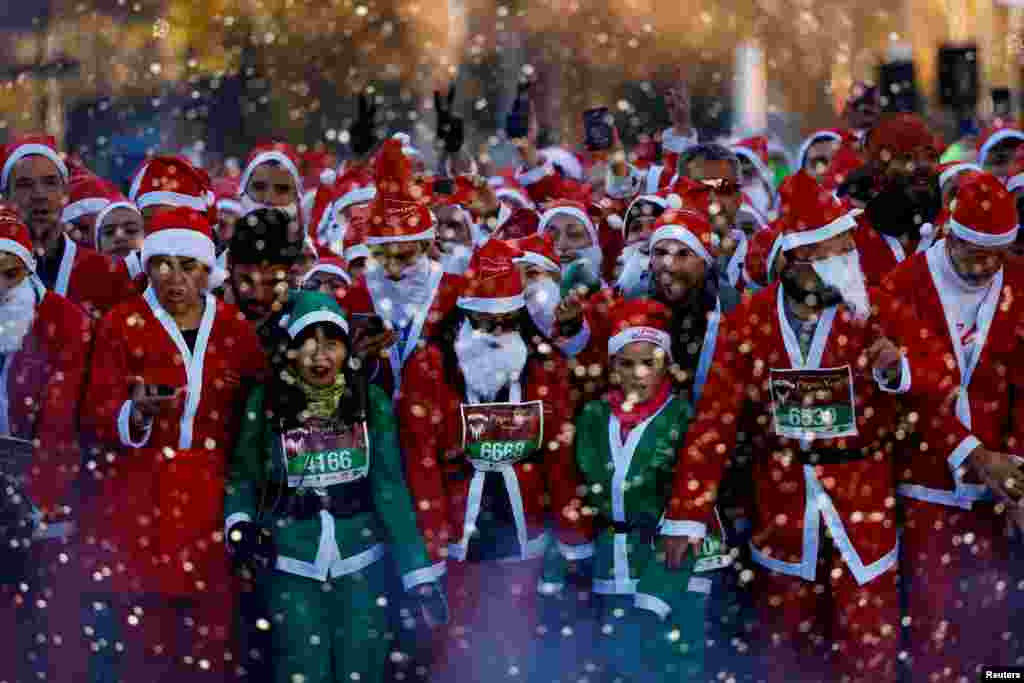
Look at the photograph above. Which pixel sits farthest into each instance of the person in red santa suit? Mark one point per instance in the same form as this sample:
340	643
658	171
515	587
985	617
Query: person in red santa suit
484	410
44	344
164	183
814	359
402	286
954	539
88	194
167	384
34	179
898	219
119	232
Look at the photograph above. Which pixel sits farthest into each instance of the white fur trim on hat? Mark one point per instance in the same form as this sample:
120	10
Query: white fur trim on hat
487	305
997	137
550	214
651	335
515	194
359	195
534	259
357	251
296	327
28	150
19	250
264	157
330	269
812	139
102	216
83	207
681	233
183	242
753	158
982	239
535	174
1015	182
232	205
175	199
424	236
847	221
956	170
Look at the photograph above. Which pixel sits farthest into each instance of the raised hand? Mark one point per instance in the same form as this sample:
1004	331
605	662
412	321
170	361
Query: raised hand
363	135
450	128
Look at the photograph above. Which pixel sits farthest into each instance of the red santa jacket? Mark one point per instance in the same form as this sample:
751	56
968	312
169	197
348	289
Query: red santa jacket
428	412
359	300
42	387
92	280
157	519
880	253
855	498
994	398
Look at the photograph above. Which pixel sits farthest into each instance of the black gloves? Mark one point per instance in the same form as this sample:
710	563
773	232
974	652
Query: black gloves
432	602
252	545
362	137
450	128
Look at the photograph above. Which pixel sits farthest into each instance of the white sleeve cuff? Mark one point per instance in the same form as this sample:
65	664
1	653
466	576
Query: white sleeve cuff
652	604
233	519
959	455
534	175
576	552
124	427
904	385
575	344
622	187
681	527
424	575
549	587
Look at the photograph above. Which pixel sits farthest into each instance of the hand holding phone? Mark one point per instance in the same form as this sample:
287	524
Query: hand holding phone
598	128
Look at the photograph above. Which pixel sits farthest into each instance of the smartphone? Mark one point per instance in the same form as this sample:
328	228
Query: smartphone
517	124
367	324
597	129
443	186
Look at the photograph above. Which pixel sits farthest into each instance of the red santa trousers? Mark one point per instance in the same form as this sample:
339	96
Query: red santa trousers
492	633
959	591
831	629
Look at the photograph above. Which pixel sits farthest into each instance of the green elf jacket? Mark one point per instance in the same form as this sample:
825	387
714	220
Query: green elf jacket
329	546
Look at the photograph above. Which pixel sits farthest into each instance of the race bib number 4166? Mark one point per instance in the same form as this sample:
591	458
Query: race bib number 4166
499	434
813	404
319	454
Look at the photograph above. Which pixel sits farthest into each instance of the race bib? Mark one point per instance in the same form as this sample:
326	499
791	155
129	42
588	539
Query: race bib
321	454
714	552
813	404
495	435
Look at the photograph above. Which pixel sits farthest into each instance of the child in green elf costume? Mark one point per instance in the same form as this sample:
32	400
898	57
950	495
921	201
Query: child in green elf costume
651	619
315	492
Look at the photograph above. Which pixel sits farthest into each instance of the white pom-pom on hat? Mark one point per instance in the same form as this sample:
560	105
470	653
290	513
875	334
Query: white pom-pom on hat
674	201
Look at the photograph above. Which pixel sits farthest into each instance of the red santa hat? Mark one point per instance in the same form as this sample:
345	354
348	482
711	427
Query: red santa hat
172	181
952	169
763	249
992	136
331	265
184	233
640	320
278	152
225	191
817	136
15	238
686	226
985	212
539	250
845	162
27	146
516	224
101	217
87	195
755	150
810	214
493	282
900	134
566	207
399	211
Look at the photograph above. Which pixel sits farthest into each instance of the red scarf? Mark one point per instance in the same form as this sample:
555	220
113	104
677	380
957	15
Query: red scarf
628	419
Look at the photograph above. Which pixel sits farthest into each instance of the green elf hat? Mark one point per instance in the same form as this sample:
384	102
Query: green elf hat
311	308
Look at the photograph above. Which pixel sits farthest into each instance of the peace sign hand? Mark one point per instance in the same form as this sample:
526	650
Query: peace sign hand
450	128
363	135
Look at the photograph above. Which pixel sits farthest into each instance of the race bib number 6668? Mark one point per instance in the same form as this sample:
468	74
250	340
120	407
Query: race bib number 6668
500	434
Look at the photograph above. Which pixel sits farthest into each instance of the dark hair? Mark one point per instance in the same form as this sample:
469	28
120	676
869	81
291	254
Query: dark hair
286	400
448	332
266	237
636	210
706	152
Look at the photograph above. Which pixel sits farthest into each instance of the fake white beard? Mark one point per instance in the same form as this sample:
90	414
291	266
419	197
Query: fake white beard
635	279
17	313
843	274
455	258
249	205
393	299
489	362
542	297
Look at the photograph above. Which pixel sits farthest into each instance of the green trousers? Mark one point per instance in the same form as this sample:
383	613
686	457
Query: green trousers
330	632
